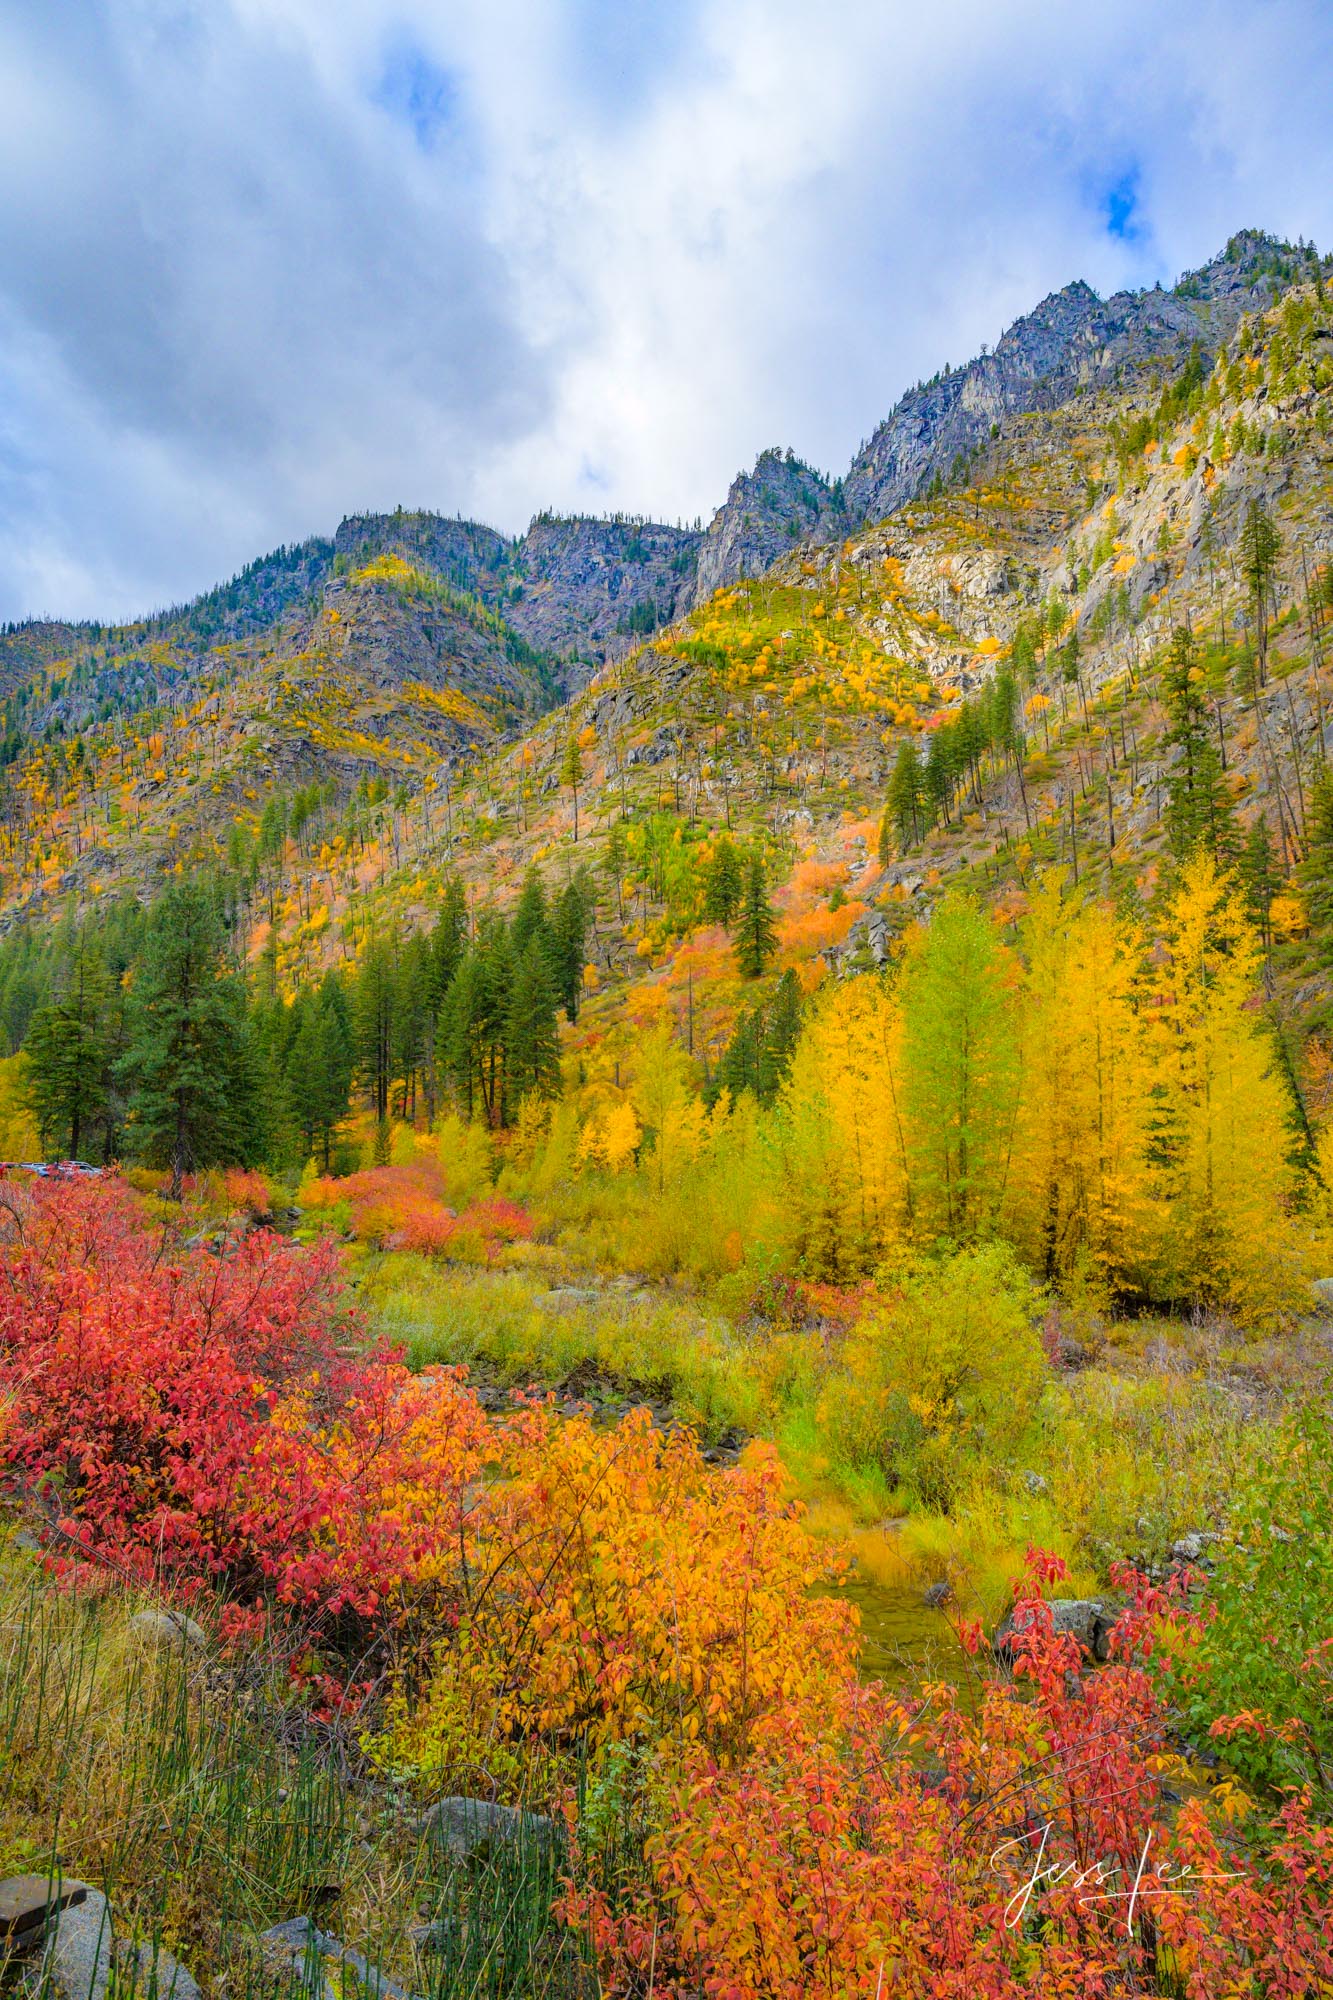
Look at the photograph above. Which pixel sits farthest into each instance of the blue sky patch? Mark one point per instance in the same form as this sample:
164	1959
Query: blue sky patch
417	92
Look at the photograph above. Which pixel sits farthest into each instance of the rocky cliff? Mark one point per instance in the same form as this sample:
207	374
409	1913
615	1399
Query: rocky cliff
766	512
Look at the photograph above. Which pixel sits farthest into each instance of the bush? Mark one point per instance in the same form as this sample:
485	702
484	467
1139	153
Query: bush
1259	1674
951	1370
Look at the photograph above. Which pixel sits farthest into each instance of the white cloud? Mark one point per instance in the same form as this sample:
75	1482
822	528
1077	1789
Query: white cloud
268	261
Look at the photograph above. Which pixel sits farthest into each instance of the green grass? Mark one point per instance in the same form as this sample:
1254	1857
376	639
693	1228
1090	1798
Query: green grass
208	1805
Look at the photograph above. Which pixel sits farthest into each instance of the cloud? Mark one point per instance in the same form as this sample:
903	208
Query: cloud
263	262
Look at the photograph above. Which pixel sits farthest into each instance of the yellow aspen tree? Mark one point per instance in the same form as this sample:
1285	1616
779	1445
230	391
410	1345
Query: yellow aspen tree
1079	1188
844	1131
1223	1113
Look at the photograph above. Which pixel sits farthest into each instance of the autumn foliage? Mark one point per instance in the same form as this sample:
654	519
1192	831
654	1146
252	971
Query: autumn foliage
548	1596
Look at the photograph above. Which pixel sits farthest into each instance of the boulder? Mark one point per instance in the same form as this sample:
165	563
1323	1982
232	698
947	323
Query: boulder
27	1901
1089	1619
159	1976
76	1964
168	1628
325	1962
471	1826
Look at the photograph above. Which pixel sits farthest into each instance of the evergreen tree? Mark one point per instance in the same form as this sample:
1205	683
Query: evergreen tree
1316	871
568	947
191	1101
724	884
530	919
374	1025
571	774
756	934
1260	878
1199	811
532	1037
1260	547
907	798
613	863
68	1053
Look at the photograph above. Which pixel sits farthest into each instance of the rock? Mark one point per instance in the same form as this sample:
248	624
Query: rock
168	1628
76	1964
1035	1484
1088	1618
938	1595
300	1941
26	1901
468	1826
1322	1289
1188	1549
25	1539
162	1977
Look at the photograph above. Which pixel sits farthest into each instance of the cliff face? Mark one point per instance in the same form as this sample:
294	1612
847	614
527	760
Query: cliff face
1072	341
766	512
586	591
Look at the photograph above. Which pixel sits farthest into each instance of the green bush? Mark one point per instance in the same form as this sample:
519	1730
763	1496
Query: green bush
949	1373
1266	1650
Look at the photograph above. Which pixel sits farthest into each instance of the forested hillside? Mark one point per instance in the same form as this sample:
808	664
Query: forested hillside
696	1121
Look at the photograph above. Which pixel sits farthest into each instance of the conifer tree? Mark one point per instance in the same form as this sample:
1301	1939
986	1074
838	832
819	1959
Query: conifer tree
724	884
68	1055
568	945
1199	810
191	1101
756	933
961	1064
532	1038
1260	547
571	774
907	799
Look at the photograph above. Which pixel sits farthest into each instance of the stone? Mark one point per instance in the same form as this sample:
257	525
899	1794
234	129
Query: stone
469	1826
1322	1289
26	1901
1089	1619
1188	1549
162	1977
168	1628
938	1595
76	1964
1035	1484
300	1940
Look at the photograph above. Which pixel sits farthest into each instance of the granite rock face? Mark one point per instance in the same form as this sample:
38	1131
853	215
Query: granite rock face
766	513
1073	340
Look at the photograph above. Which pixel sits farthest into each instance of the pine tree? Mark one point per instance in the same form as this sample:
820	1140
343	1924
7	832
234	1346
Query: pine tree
1316	871
68	1056
1260	878
1199	812
187	1064
724	884
374	1024
568	945
613	863
1260	547
571	774
756	934
532	1037
907	799
530	918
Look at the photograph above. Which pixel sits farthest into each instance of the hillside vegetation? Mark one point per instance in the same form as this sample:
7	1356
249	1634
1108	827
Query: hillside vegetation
668	1095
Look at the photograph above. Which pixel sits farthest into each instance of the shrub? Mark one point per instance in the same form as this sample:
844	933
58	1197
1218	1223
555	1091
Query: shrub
1259	1671
952	1368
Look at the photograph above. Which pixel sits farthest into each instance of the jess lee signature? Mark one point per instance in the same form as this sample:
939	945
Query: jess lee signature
1091	1882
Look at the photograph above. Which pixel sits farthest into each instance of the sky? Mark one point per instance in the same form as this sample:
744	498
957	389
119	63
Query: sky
267	262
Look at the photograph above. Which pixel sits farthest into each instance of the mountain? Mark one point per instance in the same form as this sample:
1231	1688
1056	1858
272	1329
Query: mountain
1080	493
781	502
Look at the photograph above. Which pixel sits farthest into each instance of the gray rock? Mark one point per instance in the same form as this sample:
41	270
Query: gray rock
76	1964
299	1940
159	1976
1188	1549
1089	1619
938	1595
168	1628
1035	1484
27	1901
470	1826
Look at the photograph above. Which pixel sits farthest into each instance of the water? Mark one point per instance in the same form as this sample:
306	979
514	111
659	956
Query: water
903	1641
